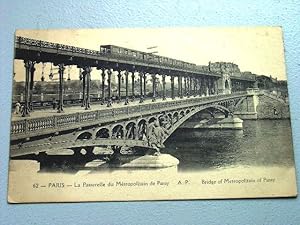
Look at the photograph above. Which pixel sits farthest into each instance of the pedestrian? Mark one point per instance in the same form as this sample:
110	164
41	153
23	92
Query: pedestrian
17	107
22	108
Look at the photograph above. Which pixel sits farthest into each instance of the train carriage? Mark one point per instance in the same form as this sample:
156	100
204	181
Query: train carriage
125	53
121	52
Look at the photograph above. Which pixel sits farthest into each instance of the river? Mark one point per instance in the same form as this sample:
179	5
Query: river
260	143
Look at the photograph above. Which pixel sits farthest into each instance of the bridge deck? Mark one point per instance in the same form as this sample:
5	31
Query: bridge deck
45	121
41	113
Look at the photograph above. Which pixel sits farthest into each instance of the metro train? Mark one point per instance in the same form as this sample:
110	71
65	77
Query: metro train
125	53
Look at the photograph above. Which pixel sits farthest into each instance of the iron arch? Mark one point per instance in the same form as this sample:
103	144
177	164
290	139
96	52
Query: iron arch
102	133
117	131
84	136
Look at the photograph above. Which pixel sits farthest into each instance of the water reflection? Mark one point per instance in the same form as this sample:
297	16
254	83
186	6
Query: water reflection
261	143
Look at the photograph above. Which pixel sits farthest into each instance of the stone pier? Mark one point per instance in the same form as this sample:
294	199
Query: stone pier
232	123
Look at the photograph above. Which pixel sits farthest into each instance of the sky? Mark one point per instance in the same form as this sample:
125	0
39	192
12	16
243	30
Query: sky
256	49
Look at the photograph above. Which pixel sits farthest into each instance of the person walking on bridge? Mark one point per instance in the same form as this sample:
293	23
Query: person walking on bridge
17	107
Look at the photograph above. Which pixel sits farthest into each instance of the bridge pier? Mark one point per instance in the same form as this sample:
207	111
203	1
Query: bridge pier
154	87
152	161
61	69
248	108
144	84
83	78
141	87
185	90
194	87
32	69
126	88
119	85
109	103
180	86
87	76
103	86
188	82
200	86
28	66
209	86
132	85
172	87
164	86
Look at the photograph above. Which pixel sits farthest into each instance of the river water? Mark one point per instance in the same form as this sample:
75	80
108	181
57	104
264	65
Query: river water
260	143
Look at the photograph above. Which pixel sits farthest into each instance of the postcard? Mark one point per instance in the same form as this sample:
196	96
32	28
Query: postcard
150	114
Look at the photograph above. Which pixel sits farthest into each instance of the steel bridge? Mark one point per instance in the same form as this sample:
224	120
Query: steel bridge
142	123
190	81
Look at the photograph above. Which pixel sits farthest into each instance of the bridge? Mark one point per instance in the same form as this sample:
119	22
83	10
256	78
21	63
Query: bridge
146	124
142	123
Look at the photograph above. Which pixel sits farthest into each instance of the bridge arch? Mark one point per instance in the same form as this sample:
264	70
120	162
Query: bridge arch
102	133
117	131
185	117
84	136
239	102
141	129
130	130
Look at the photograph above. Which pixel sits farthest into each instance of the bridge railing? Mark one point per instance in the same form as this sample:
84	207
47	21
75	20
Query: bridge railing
28	125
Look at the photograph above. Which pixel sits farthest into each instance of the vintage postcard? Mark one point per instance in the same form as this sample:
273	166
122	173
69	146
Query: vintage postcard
150	114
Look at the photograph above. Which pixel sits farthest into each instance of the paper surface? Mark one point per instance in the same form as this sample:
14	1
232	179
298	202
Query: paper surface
190	145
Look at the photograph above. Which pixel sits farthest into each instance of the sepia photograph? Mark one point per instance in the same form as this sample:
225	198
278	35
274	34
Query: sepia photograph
150	114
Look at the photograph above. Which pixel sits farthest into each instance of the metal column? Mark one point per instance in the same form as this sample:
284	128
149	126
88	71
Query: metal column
61	69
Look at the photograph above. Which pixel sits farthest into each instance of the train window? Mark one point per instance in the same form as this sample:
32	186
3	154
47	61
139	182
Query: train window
102	50
134	54
126	52
115	50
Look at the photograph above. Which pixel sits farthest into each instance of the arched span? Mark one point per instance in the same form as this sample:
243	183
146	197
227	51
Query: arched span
103	132
136	134
84	136
185	117
240	102
117	131
222	109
